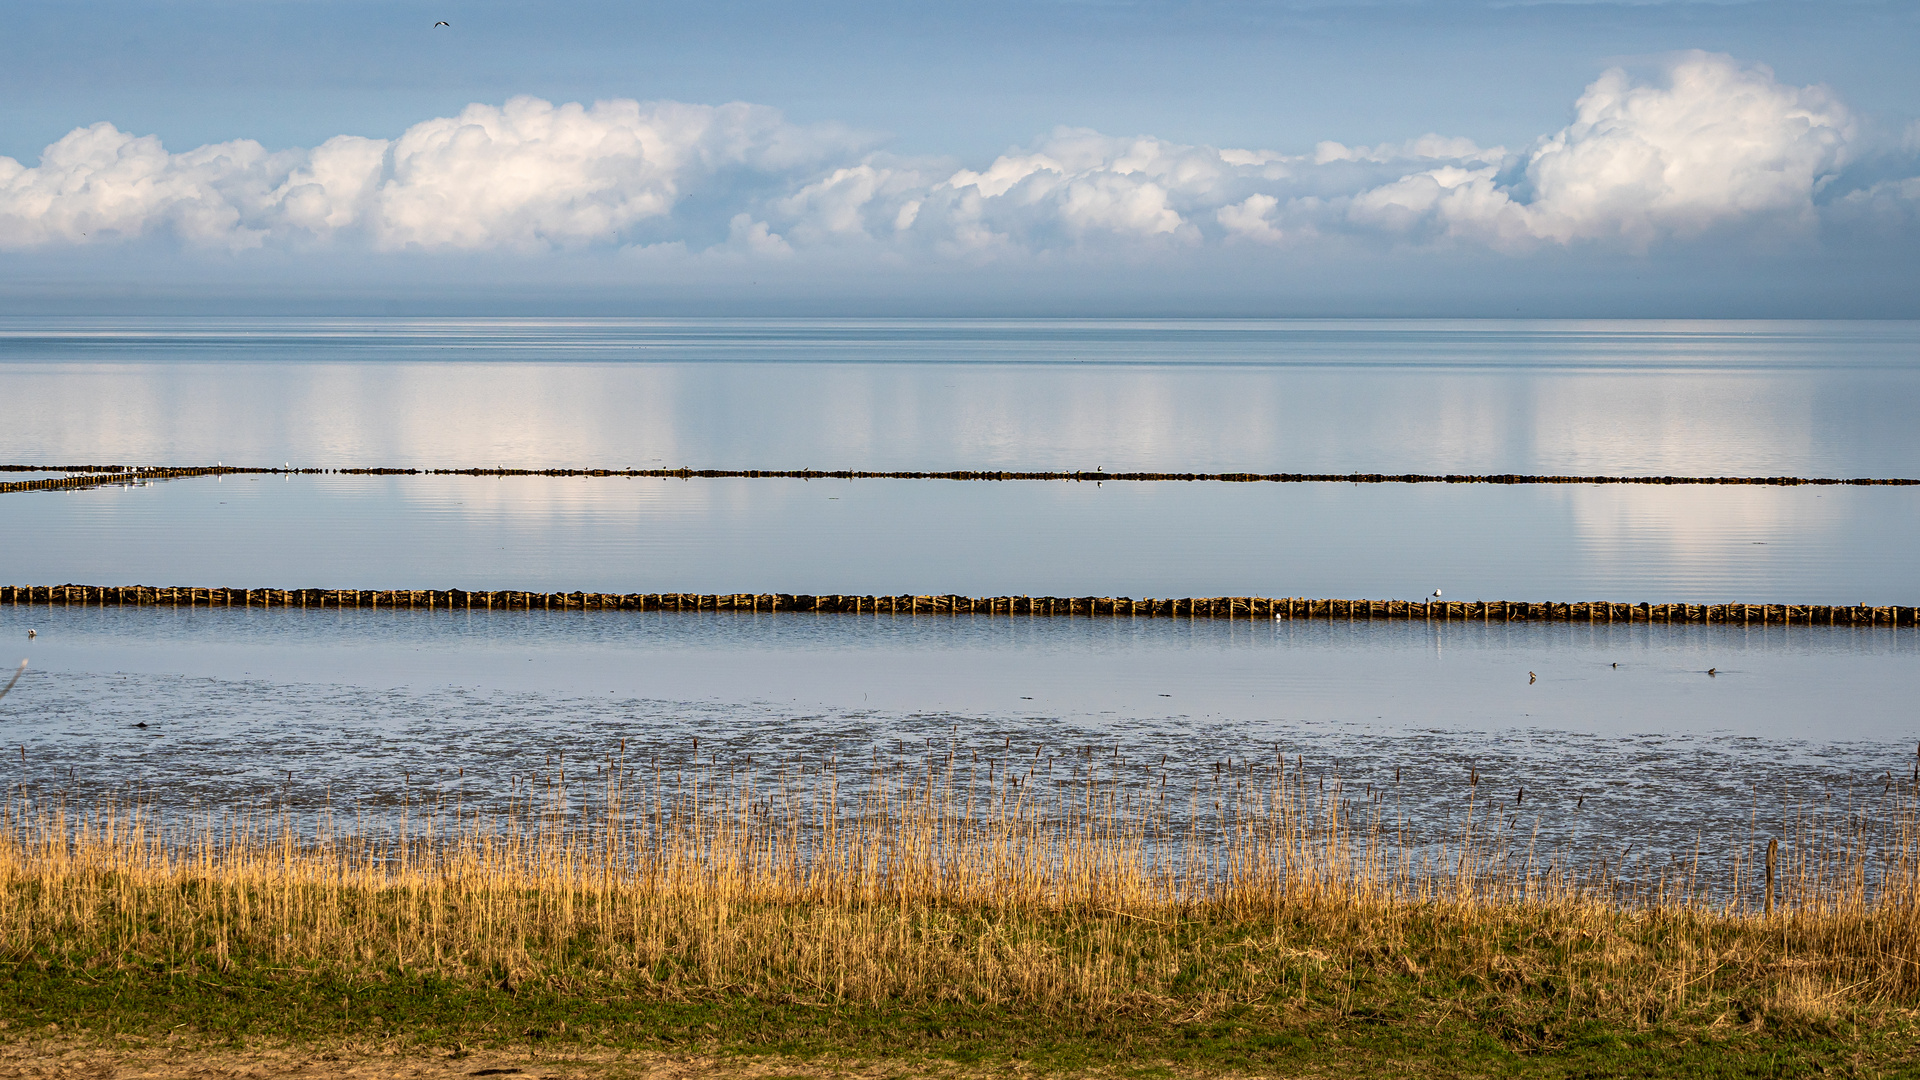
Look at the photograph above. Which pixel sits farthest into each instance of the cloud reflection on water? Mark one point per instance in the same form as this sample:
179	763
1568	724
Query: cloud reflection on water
1800	399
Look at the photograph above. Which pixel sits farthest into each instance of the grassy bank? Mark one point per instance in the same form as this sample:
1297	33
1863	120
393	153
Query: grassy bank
1491	994
1288	930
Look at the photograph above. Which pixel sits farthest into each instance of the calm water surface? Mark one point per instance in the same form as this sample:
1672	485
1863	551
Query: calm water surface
1211	395
363	706
1535	542
364	711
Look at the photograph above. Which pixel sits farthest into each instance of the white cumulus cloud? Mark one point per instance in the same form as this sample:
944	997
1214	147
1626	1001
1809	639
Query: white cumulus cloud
1707	143
535	174
1717	141
1720	140
1426	147
1251	218
527	174
99	182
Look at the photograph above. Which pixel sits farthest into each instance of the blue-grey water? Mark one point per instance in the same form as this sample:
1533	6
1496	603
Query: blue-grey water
240	705
1605	740
1805	398
614	534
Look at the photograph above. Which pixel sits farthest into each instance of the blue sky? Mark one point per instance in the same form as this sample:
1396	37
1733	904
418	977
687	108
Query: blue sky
1048	157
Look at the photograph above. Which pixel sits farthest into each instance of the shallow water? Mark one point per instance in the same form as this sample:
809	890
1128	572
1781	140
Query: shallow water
363	711
368	708
1394	676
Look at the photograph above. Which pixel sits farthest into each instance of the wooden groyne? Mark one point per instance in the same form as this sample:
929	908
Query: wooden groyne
86	476
1216	607
92	476
1100	476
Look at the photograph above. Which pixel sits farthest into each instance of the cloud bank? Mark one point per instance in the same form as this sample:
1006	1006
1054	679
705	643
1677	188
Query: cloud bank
1706	145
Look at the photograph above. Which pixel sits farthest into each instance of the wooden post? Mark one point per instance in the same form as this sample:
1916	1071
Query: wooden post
1773	854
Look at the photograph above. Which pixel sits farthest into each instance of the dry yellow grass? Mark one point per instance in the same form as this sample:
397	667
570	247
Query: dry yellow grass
1285	898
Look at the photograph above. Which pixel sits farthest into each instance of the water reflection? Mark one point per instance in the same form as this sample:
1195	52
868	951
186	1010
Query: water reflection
1693	398
1618	731
1552	542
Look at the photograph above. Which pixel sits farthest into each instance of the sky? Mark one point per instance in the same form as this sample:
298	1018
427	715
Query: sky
1051	157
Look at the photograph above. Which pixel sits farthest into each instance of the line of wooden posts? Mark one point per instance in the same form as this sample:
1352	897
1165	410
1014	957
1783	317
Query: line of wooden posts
95	476
92	479
1216	607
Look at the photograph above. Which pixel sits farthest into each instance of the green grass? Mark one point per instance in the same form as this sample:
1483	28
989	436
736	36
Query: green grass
1379	1024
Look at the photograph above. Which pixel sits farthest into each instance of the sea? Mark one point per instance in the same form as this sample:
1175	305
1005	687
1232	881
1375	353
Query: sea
1656	739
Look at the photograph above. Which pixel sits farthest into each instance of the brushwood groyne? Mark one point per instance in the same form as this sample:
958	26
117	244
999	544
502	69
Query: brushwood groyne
1214	607
86	476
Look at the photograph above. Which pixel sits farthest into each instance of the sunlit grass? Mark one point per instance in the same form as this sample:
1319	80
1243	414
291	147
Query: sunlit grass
1264	897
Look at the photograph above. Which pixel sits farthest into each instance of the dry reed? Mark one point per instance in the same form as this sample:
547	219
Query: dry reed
920	886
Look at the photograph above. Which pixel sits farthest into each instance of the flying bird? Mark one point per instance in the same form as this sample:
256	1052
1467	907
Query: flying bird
442	23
